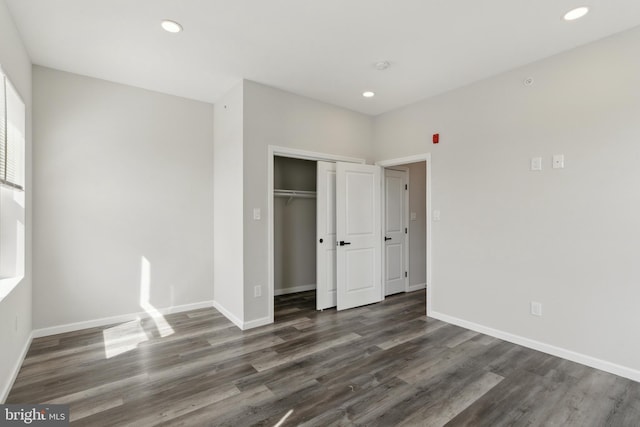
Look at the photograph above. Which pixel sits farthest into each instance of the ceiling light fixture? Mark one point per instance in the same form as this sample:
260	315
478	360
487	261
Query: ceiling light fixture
368	94
171	26
576	13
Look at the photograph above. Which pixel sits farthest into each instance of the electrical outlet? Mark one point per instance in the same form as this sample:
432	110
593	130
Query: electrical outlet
536	308
257	291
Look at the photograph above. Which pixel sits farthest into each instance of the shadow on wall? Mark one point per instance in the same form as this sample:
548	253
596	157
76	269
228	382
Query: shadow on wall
127	336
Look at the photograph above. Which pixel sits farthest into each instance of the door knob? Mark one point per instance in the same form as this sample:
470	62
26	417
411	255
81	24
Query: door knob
321	240
343	243
386	238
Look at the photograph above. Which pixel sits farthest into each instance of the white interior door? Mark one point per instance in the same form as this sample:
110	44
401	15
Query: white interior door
326	236
358	226
395	271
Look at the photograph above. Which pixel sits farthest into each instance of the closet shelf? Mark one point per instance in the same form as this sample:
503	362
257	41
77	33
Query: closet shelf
294	194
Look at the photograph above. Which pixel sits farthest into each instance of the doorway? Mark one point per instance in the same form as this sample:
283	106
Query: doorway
419	255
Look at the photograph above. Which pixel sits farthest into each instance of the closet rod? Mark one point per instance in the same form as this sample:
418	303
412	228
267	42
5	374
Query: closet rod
295	193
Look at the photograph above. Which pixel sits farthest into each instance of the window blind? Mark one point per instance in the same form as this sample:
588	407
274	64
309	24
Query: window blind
3	126
12	136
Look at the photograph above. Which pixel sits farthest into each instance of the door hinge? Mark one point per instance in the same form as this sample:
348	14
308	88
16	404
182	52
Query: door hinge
406	187
406	274
405	230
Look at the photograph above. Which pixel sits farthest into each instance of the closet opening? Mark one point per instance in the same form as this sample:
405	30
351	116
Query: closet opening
297	278
294	235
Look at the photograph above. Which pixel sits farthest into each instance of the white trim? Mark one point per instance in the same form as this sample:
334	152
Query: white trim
294	153
425	157
16	369
70	327
272	151
8	284
407	223
405	160
295	289
187	307
573	356
239	323
229	315
256	323
8	79
417	287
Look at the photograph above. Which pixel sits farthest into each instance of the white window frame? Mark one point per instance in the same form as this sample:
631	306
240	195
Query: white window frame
12	194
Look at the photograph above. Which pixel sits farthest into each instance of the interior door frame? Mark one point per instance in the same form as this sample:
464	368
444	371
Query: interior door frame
406	223
425	157
272	152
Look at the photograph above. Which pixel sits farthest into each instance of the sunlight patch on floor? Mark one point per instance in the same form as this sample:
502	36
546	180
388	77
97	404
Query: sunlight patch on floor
123	338
283	419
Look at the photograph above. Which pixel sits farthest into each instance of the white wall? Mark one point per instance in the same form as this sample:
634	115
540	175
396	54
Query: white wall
567	238
294	232
228	217
120	173
16	305
417	227
275	117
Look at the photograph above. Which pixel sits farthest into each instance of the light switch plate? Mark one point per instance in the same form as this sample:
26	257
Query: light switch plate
413	216
536	164
536	308
436	215
256	213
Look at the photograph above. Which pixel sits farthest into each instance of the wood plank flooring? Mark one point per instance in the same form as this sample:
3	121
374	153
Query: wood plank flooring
381	365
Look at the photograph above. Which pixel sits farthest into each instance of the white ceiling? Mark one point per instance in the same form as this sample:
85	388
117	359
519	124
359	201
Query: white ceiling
323	49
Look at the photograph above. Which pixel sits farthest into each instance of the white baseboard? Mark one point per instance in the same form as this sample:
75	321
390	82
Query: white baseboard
573	356
70	327
229	315
16	369
416	287
295	289
241	323
257	323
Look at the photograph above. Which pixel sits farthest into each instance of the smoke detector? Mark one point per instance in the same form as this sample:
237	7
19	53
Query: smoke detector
382	65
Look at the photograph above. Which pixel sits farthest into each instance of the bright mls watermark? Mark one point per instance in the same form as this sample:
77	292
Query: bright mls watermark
34	415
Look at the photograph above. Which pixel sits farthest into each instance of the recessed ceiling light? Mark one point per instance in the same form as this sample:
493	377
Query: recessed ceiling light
171	26
368	94
576	13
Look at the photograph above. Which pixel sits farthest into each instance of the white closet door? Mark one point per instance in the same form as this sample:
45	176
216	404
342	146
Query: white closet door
326	236
358	226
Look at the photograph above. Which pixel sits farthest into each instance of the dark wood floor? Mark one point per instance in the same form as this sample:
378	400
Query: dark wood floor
384	364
